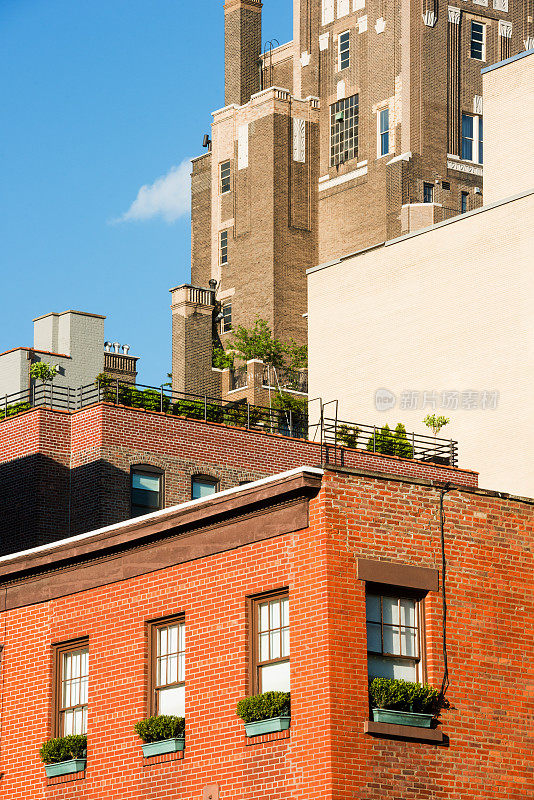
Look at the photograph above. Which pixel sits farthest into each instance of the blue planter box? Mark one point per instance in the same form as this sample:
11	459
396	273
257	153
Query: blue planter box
165	746
402	717
267	725
65	767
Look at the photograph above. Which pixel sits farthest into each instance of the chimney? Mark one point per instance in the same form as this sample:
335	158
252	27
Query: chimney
242	49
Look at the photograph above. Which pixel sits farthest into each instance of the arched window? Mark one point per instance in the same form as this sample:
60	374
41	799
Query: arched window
146	489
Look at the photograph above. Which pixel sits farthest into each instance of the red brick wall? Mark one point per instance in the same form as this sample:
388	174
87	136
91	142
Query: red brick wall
328	756
44	500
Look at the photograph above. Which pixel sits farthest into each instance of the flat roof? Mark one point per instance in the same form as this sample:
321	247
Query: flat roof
507	61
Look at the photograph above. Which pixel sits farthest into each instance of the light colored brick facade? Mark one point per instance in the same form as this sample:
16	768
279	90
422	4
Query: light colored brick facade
289	206
447	310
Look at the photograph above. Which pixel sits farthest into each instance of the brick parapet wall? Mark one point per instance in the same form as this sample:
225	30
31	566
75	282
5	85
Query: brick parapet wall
78	465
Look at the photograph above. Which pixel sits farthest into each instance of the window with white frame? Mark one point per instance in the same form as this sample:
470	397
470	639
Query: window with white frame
393	637
168	667
343	48
478	41
271	645
223	247
383	132
73	664
472	138
226	321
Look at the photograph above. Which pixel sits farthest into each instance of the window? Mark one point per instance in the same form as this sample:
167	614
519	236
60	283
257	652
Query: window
72	681
226	322
428	192
344	130
167	667
344	50
202	486
223	247
271	643
146	490
464	197
383	132
472	145
225	177
478	40
392	637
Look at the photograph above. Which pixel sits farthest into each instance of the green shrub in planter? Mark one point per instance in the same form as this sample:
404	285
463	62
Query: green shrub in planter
348	435
160	727
264	706
63	749
400	695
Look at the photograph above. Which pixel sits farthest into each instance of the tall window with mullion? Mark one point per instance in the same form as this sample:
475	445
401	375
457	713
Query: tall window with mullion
223	247
74	683
344	50
392	637
344	130
272	644
477	43
472	144
225	177
383	132
168	647
146	491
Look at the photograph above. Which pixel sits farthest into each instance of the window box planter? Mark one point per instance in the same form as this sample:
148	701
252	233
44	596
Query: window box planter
165	746
273	725
416	720
65	767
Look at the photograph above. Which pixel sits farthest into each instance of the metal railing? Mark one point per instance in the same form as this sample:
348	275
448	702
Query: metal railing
337	435
238	378
334	435
286	378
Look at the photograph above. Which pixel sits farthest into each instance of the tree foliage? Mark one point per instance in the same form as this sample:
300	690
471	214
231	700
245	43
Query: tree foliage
43	372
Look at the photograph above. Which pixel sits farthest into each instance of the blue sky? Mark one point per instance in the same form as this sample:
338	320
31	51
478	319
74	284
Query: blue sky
101	98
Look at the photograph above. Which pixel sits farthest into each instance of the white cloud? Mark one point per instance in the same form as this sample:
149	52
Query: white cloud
168	197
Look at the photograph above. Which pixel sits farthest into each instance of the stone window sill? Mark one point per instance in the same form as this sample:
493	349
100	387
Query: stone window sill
386	729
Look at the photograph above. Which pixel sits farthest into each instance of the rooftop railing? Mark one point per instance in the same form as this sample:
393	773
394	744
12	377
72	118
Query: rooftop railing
334	435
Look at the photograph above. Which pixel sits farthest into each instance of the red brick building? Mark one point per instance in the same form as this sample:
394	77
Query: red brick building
321	541
63	473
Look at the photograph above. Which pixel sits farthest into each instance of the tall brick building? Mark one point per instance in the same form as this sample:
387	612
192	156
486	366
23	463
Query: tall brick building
366	126
326	545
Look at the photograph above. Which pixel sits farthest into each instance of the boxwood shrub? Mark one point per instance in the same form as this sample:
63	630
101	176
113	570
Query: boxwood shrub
64	748
400	695
160	727
264	706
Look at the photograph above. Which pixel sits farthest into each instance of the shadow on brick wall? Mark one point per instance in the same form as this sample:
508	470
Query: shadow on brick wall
42	500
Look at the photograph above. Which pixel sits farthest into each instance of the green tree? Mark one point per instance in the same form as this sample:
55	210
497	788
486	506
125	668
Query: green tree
259	343
43	372
403	448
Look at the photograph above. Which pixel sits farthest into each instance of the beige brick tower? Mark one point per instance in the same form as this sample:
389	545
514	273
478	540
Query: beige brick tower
242	48
366	126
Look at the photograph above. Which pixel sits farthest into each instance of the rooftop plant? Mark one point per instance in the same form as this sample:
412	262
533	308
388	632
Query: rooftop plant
63	748
43	372
264	706
435	423
160	727
400	695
